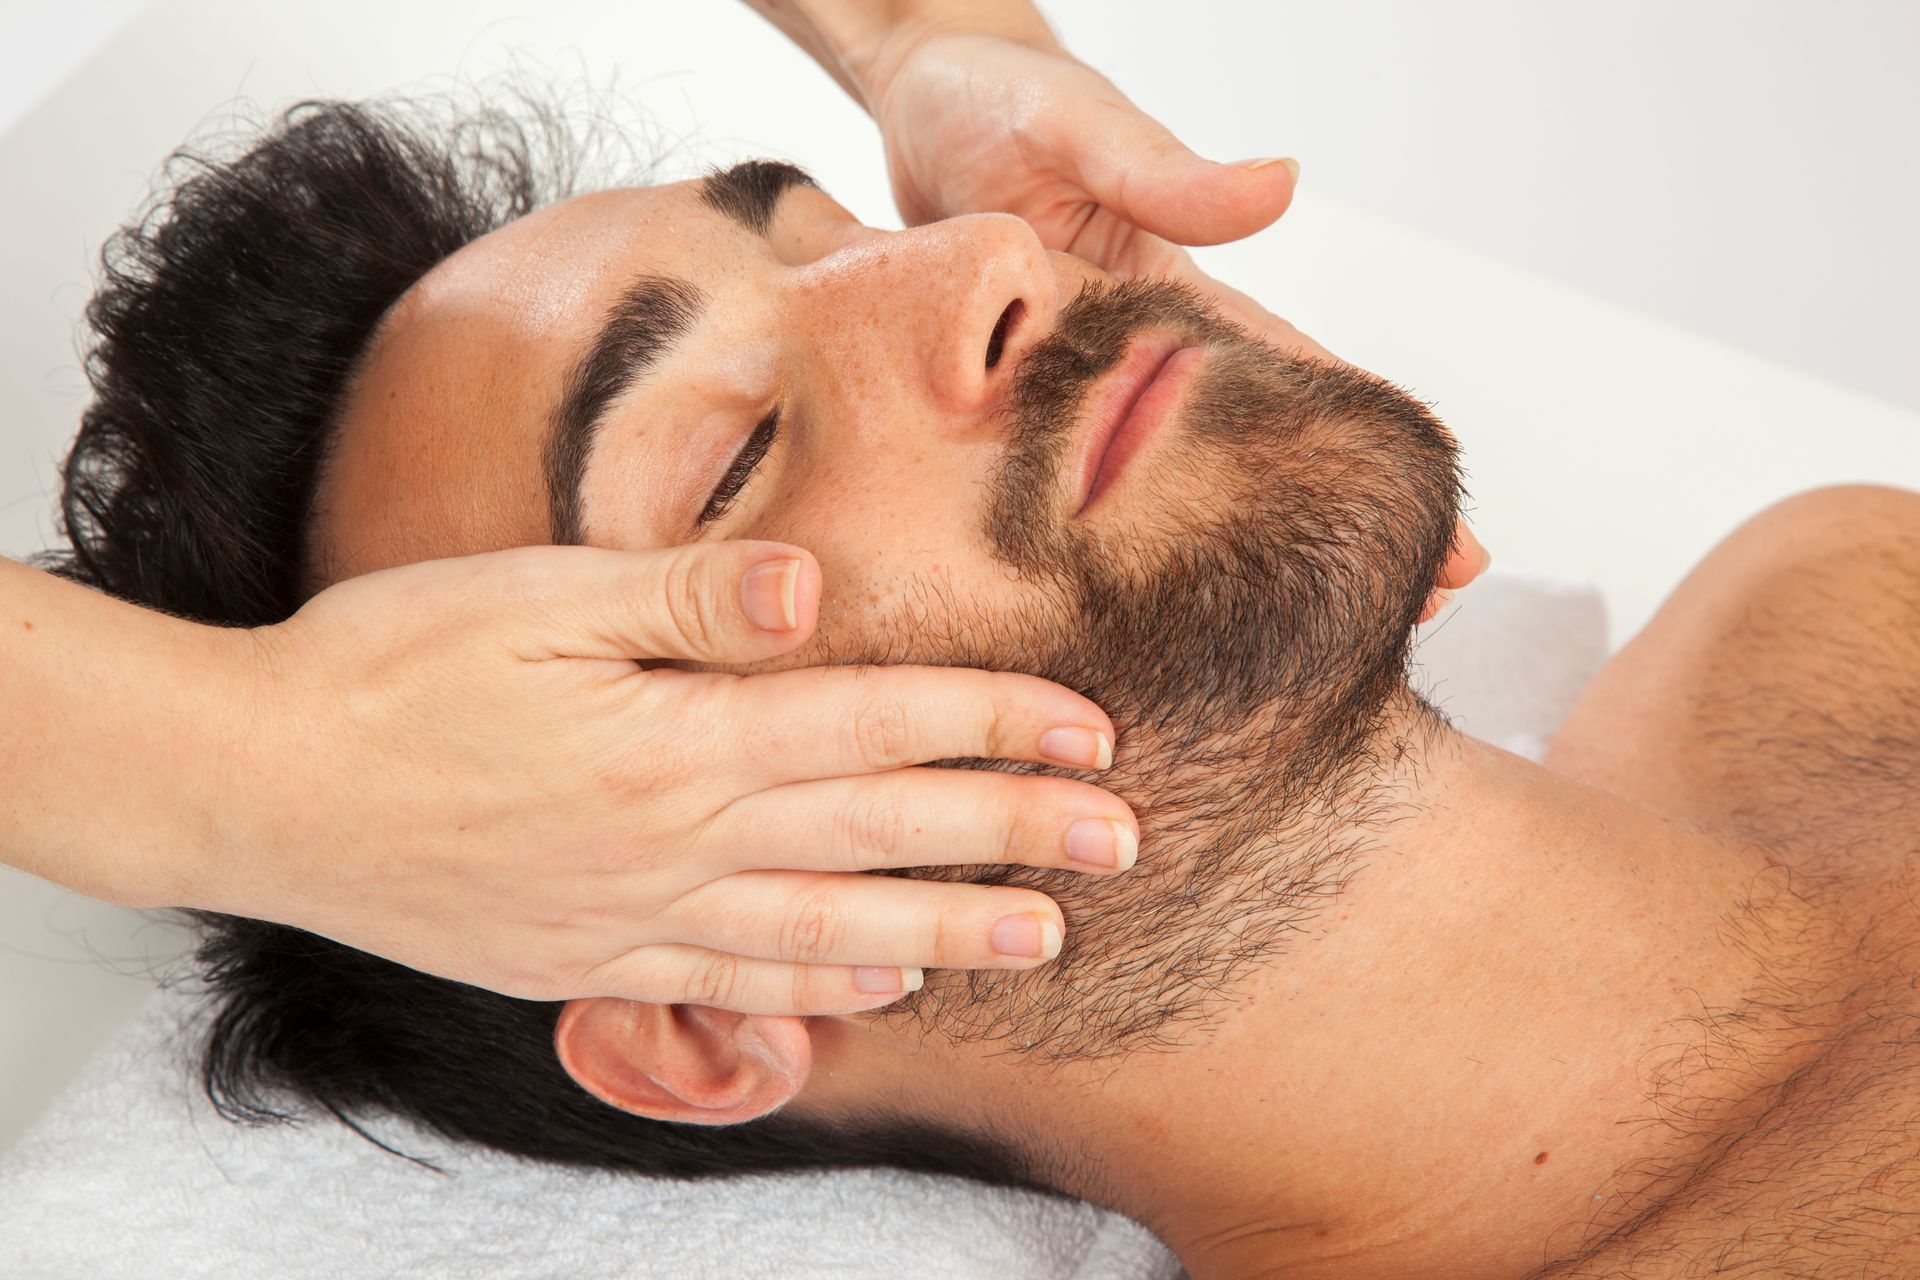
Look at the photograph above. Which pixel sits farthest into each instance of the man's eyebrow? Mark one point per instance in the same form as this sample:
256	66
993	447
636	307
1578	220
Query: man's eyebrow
648	318
748	191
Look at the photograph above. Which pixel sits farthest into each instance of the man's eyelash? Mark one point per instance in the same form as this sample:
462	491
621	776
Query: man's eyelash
741	469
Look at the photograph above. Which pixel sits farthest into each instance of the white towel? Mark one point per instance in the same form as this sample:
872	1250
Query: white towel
130	1173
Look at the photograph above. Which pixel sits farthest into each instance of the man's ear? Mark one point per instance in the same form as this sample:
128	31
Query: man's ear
683	1062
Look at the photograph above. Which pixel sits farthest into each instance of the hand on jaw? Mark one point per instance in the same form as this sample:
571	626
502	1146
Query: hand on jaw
1495	1044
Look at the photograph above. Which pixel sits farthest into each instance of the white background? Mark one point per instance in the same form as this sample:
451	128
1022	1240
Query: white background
1656	263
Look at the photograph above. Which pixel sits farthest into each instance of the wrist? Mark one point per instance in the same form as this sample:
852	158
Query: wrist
113	721
229	769
863	44
247	786
178	749
881	62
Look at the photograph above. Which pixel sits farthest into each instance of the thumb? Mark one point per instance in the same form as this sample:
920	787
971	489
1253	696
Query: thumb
1147	176
727	602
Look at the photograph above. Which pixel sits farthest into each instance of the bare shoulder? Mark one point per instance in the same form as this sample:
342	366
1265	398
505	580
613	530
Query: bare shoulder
1776	694
1825	1179
1776	697
1825	1184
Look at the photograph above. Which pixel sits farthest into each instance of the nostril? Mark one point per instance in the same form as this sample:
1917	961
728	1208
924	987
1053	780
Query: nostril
997	342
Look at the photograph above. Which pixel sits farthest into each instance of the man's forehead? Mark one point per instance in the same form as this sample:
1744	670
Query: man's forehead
541	274
439	450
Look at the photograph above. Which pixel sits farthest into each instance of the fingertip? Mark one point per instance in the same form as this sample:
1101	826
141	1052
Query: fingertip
1267	170
1077	747
806	599
1288	163
887	980
1094	717
1218	203
1058	706
754	550
780	591
1466	559
1102	844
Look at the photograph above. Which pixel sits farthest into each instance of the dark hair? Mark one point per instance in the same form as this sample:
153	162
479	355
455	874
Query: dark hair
225	335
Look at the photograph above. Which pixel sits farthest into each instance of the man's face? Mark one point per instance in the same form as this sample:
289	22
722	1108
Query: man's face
870	347
1000	458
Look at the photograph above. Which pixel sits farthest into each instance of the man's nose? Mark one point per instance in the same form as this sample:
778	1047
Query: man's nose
958	303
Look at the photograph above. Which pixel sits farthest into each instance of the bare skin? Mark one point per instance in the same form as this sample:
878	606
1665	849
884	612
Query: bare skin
1647	1011
1777	700
1596	961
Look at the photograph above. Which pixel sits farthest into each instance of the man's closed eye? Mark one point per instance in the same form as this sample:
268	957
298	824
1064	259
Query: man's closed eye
741	470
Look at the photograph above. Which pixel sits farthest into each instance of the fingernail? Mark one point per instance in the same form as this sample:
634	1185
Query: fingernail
1030	936
1103	842
1445	597
1082	748
1293	166
885	980
767	593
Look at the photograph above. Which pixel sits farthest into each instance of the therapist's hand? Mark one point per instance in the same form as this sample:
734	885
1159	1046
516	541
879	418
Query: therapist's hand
978	123
1465	562
470	767
982	110
986	118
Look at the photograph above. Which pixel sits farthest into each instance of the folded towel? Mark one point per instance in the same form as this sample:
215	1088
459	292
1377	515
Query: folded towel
130	1173
1507	660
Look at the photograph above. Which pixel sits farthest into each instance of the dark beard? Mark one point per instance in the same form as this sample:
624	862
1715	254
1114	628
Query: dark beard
1248	634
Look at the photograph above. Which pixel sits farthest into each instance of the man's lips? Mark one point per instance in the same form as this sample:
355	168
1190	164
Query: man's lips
1124	407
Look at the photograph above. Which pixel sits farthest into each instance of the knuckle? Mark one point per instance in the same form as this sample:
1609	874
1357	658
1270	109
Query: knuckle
716	980
1032	815
1003	726
873	830
823	989
689	604
881	733
956	939
805	993
1002	822
814	928
1015	837
645	973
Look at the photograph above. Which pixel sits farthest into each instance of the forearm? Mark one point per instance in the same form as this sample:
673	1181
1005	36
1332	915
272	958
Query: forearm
114	734
859	42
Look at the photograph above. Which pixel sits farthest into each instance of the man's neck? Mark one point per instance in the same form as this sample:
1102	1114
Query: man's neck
1523	1023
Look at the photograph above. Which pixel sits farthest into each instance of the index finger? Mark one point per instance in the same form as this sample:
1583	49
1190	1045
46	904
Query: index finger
822	722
